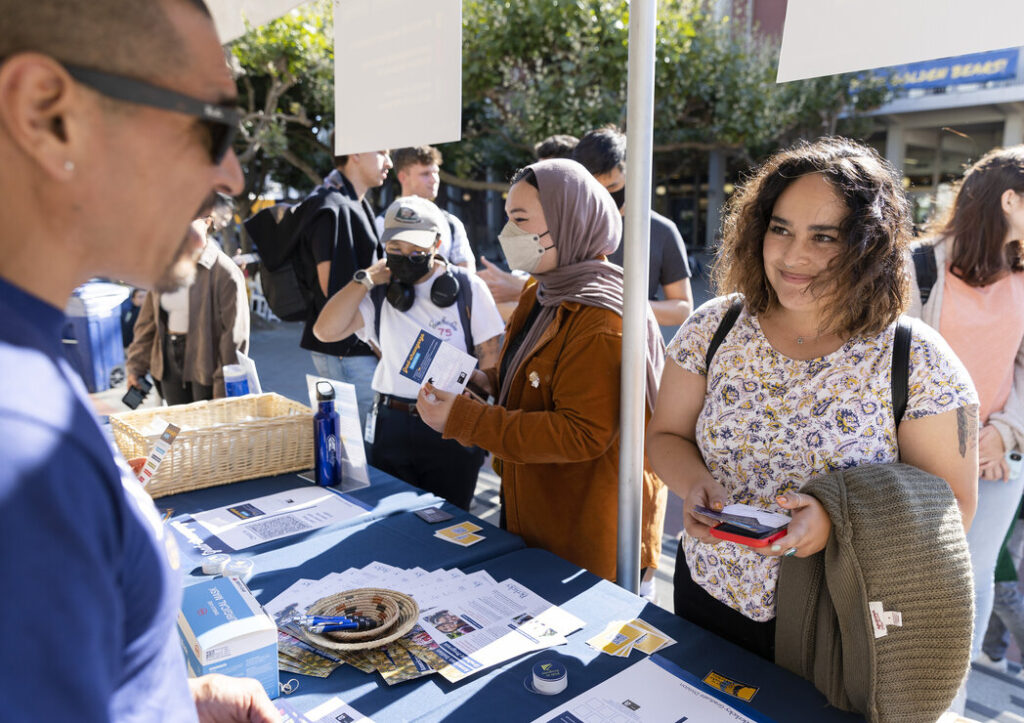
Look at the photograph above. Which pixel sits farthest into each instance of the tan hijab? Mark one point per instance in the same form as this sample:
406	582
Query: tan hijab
585	226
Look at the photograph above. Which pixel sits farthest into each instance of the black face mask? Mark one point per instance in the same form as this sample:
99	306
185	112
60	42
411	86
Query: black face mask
619	196
408	270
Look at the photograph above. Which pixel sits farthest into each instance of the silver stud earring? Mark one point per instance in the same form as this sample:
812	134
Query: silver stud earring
69	166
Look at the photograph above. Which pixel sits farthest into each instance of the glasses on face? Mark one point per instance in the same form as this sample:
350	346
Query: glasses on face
414	255
220	121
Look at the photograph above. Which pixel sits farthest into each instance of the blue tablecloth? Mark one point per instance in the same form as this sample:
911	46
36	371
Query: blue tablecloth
385	495
391	533
499	695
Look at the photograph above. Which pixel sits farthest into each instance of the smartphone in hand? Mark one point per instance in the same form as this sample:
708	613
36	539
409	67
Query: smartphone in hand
726	531
746	525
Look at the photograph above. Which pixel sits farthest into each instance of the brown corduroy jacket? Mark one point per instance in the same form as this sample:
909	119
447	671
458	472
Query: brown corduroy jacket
556	440
218	324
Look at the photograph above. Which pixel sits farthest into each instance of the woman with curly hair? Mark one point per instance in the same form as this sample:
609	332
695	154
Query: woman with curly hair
977	304
815	246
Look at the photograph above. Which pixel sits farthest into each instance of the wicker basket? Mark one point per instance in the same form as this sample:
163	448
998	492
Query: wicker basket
221	441
408	614
370	602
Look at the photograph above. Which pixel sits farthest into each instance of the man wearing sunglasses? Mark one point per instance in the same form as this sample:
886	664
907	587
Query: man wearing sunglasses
116	121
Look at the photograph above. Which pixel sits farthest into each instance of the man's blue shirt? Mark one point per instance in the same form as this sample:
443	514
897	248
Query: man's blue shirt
89	586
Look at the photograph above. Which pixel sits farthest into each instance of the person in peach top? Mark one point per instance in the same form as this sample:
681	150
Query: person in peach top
977	304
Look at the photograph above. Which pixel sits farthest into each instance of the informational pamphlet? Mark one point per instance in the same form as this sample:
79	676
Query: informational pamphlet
487	626
653	690
334	710
244	524
467	623
442	364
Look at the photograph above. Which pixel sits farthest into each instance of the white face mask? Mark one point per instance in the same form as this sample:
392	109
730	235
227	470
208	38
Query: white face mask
523	249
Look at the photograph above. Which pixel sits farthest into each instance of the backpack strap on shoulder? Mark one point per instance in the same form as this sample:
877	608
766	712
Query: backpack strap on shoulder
926	270
723	329
464	303
901	367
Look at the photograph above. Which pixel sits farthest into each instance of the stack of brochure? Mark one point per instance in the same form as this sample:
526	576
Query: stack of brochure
467	623
620	638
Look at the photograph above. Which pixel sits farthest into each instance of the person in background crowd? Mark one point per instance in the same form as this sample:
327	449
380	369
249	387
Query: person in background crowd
343	238
559	145
129	316
977	304
603	153
98	178
814	245
422	293
418	170
1007	605
554	430
185	337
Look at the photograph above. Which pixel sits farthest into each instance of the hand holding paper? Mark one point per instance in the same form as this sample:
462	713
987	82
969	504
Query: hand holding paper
443	365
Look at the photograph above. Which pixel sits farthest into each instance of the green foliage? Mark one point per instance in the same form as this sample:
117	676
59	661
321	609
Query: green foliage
532	68
285	75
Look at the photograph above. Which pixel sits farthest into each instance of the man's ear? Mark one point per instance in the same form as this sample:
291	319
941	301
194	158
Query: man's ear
38	113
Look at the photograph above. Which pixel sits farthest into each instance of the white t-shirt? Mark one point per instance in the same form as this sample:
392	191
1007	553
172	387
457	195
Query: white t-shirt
175	303
398	330
458	247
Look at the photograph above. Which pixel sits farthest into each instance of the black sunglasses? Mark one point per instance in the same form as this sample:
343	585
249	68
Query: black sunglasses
221	121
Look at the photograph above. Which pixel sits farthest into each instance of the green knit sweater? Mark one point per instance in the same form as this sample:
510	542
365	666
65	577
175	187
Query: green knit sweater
897	541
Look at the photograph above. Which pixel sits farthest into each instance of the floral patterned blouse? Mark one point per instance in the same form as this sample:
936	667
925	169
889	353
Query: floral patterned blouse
770	422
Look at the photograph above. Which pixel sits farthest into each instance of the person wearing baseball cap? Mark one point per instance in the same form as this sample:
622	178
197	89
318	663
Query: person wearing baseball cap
388	305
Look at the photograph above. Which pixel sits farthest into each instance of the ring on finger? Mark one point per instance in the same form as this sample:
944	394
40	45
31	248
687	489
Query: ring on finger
790	552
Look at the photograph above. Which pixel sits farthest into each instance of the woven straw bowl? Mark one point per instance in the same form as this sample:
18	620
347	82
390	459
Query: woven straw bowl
408	613
368	602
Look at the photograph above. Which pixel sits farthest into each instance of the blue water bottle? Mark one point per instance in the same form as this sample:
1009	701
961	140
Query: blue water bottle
325	437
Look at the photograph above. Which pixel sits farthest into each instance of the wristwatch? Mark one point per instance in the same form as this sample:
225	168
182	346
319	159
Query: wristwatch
363	278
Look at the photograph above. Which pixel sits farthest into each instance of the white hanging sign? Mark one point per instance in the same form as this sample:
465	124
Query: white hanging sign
828	37
397	73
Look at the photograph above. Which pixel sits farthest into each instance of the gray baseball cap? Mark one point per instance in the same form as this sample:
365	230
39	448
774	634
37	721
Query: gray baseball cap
413	219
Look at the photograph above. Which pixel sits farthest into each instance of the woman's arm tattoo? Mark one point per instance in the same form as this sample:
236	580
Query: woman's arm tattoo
967	427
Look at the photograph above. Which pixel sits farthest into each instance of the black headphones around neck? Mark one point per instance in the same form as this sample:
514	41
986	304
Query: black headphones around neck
443	292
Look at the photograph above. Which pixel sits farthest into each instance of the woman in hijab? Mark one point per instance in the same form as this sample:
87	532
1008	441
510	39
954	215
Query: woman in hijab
554	429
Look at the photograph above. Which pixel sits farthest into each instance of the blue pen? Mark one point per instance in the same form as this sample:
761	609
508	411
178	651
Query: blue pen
330	623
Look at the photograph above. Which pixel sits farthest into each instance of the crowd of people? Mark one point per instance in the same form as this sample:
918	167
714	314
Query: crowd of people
804	387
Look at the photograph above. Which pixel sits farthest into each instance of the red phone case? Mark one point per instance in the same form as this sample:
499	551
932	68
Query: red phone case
748	541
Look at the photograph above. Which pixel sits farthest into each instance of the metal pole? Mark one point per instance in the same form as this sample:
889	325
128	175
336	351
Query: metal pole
636	260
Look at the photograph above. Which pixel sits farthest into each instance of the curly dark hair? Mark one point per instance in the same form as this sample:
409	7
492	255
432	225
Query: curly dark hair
976	221
866	286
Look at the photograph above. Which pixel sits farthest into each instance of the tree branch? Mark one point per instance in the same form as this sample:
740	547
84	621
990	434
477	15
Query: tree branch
306	170
472	185
696	146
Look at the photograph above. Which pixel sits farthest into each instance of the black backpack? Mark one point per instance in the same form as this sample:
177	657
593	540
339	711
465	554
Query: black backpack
287	268
926	269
